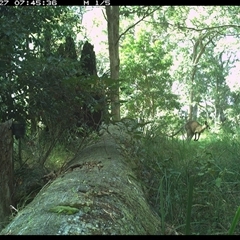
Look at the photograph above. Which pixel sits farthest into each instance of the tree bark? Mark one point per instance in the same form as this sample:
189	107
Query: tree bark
113	42
6	173
198	50
97	193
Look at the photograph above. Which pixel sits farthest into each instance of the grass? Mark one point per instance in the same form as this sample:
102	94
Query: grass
194	186
189	206
234	222
60	149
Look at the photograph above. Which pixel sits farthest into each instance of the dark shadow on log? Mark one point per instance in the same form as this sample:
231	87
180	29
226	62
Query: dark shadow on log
6	171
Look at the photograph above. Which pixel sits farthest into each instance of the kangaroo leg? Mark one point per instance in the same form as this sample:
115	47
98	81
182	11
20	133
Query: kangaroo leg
189	135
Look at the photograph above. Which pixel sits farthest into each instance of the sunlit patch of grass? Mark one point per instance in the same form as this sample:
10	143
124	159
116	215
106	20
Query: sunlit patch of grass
58	157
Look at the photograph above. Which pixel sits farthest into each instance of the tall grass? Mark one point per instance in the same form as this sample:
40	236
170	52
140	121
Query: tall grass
189	206
211	165
234	222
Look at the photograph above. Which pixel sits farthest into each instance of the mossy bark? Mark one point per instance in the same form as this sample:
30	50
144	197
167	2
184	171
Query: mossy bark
98	194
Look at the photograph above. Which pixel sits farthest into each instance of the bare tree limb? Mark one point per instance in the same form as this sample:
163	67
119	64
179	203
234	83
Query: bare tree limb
147	14
203	48
208	28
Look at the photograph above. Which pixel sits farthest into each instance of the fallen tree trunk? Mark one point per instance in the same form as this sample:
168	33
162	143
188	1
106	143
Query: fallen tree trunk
98	193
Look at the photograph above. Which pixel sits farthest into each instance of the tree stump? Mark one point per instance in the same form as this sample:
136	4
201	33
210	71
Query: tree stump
6	173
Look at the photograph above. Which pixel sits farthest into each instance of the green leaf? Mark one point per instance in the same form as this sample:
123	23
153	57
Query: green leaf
64	210
218	182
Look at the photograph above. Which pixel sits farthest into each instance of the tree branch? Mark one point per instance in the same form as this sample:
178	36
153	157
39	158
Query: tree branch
203	48
147	14
208	28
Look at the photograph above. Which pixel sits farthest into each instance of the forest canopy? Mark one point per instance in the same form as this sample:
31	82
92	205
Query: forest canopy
184	67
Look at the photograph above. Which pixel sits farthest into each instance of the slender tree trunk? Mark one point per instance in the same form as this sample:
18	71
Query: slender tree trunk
195	59
113	42
198	50
6	172
191	95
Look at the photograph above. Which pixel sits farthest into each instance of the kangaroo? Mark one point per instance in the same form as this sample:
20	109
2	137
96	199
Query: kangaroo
193	128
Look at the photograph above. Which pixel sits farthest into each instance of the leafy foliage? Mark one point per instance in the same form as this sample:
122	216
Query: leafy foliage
42	82
146	82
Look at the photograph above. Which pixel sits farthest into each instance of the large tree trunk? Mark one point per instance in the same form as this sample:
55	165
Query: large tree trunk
97	193
113	42
6	172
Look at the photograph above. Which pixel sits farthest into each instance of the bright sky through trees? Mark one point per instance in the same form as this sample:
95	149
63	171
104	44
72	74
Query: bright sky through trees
95	26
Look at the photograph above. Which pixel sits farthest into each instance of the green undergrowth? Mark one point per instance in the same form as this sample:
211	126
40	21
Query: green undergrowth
210	165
